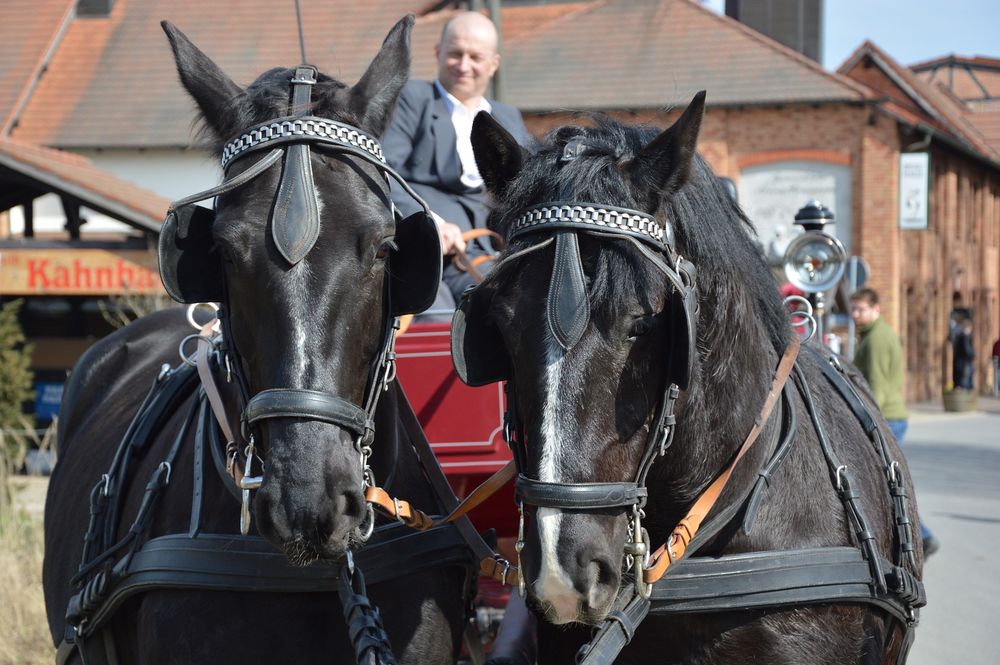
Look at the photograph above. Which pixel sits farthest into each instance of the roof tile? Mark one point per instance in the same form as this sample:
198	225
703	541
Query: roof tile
66	170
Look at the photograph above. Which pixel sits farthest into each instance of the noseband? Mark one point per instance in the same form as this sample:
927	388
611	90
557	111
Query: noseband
294	226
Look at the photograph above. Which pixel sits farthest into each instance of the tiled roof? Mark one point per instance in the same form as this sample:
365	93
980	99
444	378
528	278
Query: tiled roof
988	124
69	173
968	78
628	54
914	100
113	83
28	30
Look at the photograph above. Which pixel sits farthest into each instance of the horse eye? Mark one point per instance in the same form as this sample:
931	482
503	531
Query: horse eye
641	326
387	247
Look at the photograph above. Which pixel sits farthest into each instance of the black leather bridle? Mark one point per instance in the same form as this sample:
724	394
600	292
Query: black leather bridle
294	229
567	313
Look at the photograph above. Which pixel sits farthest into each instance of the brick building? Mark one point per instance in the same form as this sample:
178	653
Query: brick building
780	126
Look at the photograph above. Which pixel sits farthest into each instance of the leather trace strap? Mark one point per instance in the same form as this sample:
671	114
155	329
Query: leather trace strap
686	529
405	512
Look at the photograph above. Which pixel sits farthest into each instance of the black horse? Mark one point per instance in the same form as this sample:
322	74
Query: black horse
307	338
630	273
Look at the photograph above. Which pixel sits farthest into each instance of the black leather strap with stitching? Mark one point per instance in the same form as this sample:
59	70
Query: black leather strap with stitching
243	563
312	404
781	579
578	496
617	629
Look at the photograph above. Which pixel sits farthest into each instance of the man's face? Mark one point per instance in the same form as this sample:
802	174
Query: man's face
863	312
467	60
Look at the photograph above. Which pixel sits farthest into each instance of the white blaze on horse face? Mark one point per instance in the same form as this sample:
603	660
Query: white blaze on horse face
553	585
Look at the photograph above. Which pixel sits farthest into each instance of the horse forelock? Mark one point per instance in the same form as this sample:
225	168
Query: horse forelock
268	98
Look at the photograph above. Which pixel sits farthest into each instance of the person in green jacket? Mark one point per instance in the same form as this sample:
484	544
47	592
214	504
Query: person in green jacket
879	356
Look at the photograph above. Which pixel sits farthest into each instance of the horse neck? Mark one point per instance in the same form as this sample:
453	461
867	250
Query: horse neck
733	370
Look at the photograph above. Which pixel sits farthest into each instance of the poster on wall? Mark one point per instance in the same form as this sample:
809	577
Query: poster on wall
772	193
914	181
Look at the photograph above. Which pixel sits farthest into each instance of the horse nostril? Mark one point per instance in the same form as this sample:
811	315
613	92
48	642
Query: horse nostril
602	573
350	503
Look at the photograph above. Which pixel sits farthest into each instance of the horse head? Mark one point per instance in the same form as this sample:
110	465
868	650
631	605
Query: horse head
310	266
591	315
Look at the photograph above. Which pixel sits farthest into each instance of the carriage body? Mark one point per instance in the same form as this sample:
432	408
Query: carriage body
463	424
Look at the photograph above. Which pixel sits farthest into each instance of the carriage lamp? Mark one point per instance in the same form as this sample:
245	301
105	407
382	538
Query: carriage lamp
815	260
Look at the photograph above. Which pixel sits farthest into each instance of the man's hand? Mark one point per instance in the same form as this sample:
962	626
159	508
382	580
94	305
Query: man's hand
450	235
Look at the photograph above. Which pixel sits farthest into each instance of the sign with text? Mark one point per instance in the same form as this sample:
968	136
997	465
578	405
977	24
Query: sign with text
77	272
914	183
48	397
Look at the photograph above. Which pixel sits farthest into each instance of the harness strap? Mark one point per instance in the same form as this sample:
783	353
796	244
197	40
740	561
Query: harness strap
578	496
617	629
844	483
232	183
208	382
491	564
225	562
763	481
905	541
404	511
759	580
675	547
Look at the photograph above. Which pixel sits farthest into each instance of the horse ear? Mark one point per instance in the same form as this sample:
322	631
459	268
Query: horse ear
374	96
211	89
498	155
664	165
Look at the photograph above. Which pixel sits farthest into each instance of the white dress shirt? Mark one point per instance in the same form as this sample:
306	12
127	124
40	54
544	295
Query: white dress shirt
461	119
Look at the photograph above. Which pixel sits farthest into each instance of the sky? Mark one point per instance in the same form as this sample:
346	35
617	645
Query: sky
910	31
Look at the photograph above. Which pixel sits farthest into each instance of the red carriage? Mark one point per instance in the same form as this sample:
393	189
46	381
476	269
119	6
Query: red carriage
464	426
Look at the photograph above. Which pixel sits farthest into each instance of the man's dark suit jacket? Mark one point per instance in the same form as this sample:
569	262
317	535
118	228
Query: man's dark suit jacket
420	145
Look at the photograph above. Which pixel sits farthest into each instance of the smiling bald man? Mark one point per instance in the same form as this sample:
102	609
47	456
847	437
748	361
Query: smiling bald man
428	141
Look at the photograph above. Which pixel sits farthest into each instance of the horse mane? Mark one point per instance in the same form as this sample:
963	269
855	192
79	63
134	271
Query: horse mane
266	99
734	282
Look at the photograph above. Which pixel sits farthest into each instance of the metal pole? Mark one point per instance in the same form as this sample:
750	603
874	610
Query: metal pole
493	9
819	311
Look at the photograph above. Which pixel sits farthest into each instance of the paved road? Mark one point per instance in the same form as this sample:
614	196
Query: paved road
955	462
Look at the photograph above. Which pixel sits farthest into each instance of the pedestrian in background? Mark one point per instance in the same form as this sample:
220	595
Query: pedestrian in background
996	367
963	354
879	356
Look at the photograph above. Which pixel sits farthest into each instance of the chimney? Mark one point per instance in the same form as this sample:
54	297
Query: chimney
798	24
94	8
